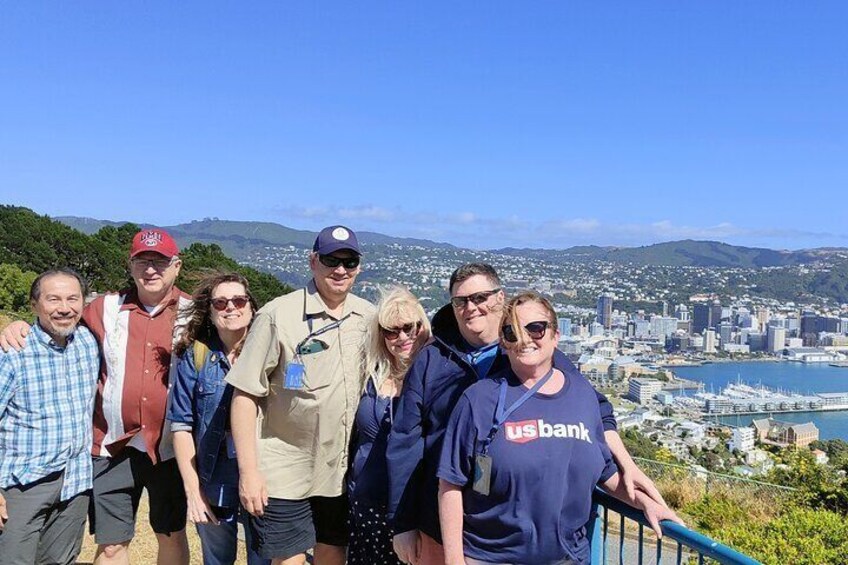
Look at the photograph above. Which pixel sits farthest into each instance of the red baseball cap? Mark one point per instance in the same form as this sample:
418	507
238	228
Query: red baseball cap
156	240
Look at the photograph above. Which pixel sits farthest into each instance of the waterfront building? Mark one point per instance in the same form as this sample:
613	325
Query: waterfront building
643	390
785	434
776	339
757	341
812	355
742	439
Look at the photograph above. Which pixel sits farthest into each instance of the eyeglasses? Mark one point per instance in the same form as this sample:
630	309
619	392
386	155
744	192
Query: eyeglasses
333	262
476	298
536	330
220	304
158	264
411	330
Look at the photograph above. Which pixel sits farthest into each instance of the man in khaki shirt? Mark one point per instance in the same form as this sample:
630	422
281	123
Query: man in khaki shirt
298	382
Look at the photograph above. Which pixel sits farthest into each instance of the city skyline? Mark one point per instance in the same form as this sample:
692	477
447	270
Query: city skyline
484	125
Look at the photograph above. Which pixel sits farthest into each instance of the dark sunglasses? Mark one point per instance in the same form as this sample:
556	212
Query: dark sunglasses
476	299
220	304
333	262
411	330
536	330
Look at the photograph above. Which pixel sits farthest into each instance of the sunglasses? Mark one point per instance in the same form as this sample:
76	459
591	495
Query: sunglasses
220	304
536	330
411	330
158	264
476	299
333	262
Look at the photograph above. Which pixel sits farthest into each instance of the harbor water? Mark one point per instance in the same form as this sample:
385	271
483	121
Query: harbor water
795	377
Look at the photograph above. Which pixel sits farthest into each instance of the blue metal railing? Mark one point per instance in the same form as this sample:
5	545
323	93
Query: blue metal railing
632	549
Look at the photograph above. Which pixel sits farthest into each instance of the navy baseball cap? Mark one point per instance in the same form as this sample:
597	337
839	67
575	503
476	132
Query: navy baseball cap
335	238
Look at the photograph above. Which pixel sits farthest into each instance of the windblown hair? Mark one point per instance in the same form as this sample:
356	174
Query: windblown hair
510	315
397	306
199	326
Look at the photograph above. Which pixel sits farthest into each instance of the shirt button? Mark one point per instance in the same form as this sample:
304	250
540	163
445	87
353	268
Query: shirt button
144	398
143	426
149	344
146	371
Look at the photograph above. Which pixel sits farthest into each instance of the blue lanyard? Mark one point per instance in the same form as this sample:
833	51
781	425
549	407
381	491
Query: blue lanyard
319	331
501	413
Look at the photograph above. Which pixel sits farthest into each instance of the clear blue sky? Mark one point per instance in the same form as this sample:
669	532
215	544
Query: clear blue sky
485	124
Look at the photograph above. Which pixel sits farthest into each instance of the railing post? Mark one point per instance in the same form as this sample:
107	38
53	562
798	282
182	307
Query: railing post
596	526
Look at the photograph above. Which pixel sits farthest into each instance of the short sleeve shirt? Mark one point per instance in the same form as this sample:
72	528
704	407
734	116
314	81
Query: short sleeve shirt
303	433
546	460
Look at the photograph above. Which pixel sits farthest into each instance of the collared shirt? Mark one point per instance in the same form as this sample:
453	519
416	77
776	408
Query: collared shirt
303	433
135	372
46	400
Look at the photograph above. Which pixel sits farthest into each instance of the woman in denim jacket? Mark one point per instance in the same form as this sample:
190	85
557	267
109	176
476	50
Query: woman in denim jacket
220	314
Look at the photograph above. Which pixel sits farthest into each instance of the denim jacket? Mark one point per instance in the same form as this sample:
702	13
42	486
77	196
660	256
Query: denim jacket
200	403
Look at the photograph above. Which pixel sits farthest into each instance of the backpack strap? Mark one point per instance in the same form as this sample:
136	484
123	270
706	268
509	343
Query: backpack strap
199	350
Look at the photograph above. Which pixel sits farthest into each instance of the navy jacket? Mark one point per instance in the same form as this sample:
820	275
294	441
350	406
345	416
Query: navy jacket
432	387
200	402
368	479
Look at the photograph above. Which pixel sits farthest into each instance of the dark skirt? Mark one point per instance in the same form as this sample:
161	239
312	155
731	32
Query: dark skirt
370	537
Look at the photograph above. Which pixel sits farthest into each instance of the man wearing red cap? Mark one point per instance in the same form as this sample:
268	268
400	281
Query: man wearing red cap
135	329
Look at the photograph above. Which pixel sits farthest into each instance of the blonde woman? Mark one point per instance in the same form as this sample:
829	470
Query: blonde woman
397	332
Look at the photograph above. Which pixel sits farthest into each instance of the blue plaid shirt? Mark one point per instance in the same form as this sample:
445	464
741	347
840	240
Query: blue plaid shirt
46	402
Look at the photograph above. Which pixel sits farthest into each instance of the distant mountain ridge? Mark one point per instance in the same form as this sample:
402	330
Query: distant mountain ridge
230	233
684	253
238	237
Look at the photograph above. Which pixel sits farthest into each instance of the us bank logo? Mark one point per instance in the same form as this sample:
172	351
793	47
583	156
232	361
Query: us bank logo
529	430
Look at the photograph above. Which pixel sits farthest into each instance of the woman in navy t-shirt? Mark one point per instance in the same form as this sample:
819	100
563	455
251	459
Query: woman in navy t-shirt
522	454
396	333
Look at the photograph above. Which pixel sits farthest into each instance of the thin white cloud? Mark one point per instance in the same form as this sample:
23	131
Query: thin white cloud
468	229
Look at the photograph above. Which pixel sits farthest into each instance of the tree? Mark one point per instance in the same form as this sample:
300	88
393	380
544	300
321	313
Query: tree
14	287
199	259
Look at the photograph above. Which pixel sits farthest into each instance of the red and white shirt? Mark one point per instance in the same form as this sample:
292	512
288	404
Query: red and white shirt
136	370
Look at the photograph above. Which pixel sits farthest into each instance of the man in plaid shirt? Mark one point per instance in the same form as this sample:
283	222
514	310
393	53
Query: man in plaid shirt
46	402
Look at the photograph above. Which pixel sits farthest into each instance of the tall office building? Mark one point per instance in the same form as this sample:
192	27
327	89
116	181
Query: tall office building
716	314
725	332
809	329
605	310
762	313
701	318
709	341
682	312
776	339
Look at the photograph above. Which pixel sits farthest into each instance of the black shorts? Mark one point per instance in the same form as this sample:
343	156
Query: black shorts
291	527
118	482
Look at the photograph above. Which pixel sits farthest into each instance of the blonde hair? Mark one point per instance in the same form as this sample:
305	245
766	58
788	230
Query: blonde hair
396	306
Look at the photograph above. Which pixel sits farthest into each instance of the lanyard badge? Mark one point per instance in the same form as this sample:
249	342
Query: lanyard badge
482	460
482	474
294	374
